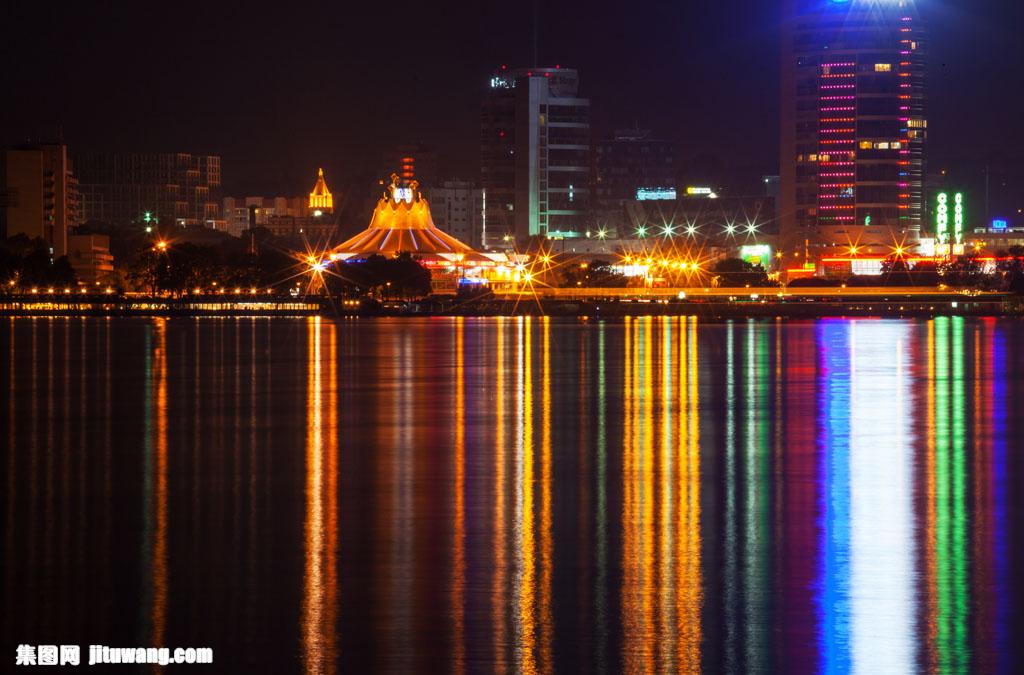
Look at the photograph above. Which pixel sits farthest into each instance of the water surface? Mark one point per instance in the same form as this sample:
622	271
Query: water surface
517	495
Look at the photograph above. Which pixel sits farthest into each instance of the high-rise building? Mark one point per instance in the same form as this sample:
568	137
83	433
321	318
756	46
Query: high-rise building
39	195
535	155
853	126
457	207
632	162
180	188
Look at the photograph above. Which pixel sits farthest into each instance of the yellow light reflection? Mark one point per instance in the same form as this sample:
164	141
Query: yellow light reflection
498	591
546	618
638	593
662	596
320	584
526	563
459	548
690	584
158	615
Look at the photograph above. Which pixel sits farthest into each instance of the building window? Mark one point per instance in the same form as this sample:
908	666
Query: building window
883	67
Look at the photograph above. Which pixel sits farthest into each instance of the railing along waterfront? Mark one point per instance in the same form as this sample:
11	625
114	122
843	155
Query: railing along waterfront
118	305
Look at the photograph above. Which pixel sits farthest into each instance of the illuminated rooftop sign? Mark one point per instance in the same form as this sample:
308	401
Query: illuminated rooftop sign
655	194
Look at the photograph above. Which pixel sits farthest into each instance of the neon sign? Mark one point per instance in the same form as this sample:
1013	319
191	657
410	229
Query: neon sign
958	217
942	218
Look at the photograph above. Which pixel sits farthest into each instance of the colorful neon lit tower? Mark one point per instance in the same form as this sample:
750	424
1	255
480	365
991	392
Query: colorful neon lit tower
853	126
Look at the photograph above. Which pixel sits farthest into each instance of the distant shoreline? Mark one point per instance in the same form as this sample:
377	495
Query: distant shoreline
720	304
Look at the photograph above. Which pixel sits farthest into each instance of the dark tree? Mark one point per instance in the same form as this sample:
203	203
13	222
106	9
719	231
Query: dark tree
737	273
964	271
595	274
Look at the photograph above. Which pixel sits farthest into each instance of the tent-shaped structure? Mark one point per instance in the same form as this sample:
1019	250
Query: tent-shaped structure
401	223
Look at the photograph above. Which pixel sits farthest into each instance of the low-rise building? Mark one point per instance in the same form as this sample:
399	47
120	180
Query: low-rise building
311	217
90	257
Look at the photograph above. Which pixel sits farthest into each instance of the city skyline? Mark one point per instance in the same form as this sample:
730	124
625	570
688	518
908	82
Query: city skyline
322	94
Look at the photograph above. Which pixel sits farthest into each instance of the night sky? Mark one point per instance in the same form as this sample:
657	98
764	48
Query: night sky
280	88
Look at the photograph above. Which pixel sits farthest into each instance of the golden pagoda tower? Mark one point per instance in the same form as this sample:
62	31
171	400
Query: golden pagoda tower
320	199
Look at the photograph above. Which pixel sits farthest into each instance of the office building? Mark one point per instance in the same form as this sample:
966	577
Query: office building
39	195
631	165
535	155
853	127
177	188
457	207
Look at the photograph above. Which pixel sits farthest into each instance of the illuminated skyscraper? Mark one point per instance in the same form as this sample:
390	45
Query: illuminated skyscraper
535	155
853	126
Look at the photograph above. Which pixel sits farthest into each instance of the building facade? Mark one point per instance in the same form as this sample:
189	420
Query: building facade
457	207
310	217
39	195
853	127
535	155
243	213
90	258
632	162
180	188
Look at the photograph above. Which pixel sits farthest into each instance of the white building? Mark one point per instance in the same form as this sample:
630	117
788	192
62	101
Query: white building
457	208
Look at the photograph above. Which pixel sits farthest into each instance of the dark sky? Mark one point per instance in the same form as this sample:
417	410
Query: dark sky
280	88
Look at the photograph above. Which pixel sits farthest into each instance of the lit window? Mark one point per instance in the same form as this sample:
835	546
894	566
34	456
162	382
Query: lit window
882	146
812	158
883	67
895	146
865	145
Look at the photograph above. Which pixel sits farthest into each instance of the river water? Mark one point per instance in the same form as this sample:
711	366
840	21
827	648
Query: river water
517	495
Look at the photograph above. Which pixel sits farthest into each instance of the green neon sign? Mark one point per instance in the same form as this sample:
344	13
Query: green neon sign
942	218
958	217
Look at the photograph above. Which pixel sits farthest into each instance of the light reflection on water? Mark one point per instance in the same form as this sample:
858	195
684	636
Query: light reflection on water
517	495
